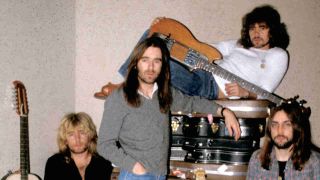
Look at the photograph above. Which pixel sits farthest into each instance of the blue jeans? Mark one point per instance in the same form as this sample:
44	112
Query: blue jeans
196	83
125	175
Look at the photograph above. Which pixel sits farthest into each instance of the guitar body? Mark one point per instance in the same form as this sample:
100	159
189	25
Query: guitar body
176	30
17	176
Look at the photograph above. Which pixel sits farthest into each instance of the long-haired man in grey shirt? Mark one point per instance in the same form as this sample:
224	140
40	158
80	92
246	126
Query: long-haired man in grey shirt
134	132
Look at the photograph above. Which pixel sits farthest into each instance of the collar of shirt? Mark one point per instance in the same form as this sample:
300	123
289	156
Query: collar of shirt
155	88
274	161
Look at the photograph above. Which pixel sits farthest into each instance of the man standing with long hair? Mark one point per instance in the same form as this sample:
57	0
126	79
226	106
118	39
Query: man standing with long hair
134	132
287	150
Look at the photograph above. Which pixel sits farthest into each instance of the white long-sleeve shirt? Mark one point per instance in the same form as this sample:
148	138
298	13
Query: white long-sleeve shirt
246	63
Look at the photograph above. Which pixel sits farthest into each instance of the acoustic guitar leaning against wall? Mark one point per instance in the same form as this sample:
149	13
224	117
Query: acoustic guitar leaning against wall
22	110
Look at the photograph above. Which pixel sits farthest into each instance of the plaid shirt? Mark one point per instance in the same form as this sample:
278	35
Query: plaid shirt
311	169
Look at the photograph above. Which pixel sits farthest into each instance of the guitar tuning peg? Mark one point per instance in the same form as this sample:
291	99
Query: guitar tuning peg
13	91
14	100
302	102
14	108
14	104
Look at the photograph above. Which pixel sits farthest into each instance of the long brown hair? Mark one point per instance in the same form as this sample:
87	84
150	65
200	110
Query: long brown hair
302	145
131	84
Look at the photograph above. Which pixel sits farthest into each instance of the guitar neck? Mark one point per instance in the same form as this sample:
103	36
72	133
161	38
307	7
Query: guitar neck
24	147
22	109
203	64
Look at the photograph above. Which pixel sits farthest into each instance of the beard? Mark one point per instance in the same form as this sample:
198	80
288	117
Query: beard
284	145
258	42
79	151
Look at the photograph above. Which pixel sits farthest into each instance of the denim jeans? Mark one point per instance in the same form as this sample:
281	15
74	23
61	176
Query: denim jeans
196	83
125	175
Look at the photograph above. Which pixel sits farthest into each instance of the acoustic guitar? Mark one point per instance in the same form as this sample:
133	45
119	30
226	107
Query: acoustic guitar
22	110
187	50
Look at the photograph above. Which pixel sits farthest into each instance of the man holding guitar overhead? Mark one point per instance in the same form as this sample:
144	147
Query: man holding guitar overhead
254	65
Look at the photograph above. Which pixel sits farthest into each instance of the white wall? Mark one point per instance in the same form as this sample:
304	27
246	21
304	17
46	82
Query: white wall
65	51
37	46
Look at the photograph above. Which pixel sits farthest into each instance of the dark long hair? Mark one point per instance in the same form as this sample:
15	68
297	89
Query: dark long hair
131	84
279	36
302	145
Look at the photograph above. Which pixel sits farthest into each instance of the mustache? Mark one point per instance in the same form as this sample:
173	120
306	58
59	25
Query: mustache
281	136
148	72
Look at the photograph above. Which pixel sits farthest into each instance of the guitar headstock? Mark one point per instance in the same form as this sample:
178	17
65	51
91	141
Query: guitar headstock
21	102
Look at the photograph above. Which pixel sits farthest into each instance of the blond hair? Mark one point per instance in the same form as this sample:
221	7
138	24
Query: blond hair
73	120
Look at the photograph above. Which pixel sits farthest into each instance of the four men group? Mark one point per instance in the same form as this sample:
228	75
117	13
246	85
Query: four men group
134	132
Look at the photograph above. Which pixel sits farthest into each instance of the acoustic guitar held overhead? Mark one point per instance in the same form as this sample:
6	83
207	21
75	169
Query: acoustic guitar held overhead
22	109
187	50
